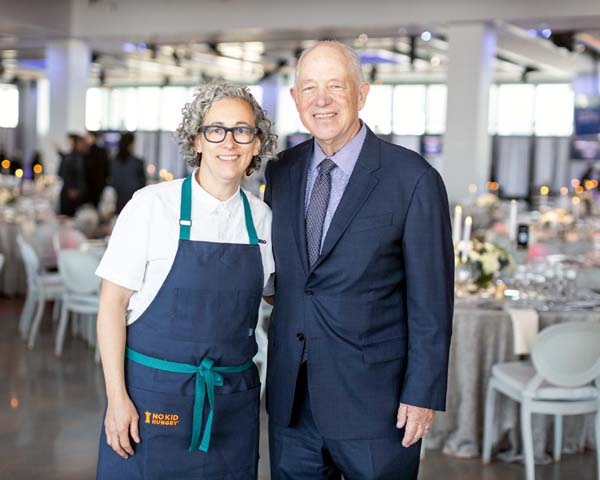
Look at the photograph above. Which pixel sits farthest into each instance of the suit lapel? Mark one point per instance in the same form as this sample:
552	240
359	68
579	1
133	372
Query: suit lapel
360	185
298	174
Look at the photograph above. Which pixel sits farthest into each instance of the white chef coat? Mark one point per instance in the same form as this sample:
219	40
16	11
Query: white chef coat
144	242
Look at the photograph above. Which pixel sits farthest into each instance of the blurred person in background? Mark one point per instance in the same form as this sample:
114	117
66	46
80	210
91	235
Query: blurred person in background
126	171
70	142
72	172
97	169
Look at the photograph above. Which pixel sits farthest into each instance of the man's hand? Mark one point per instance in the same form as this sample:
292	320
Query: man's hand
416	422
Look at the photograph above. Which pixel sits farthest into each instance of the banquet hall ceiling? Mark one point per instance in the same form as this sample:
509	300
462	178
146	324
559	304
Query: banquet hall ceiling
396	53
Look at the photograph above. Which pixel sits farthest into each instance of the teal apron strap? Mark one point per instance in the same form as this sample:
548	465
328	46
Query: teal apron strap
185	213
249	222
207	377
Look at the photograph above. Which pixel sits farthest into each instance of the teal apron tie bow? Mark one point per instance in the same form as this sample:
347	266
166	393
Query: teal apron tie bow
207	378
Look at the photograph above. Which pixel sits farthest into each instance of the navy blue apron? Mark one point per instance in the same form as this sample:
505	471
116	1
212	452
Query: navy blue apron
189	367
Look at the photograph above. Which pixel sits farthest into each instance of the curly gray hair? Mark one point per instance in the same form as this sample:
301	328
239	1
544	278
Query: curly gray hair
195	112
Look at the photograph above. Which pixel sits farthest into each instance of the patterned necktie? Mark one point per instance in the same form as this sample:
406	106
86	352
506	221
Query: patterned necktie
317	208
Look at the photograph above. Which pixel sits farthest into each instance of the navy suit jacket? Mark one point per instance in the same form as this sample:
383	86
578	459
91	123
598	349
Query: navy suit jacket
376	308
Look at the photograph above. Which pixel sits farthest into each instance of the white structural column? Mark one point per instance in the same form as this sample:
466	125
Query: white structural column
467	152
27	122
67	66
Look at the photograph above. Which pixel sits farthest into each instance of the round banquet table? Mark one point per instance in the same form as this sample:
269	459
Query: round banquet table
482	338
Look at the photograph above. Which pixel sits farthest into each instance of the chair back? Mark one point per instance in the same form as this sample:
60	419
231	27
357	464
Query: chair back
30	260
67	238
77	269
568	354
42	242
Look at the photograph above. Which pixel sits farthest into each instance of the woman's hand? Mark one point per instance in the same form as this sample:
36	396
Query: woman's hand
121	421
121	416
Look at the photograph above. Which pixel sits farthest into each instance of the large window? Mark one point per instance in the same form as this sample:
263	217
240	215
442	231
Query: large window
43	107
9	100
148	111
287	120
409	109
257	93
554	110
515	107
96	109
493	110
139	108
172	101
419	109
377	112
435	120
122	109
522	109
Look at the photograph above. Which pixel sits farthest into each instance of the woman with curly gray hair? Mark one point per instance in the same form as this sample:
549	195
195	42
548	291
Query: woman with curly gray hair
182	281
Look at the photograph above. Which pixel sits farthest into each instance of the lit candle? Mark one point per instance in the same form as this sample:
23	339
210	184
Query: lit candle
472	192
512	222
466	239
544	190
457	224
576	201
37	170
564	197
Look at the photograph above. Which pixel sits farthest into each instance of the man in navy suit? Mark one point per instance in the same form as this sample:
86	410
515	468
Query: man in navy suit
360	332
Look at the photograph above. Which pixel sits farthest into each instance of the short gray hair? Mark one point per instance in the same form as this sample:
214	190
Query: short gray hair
195	112
350	55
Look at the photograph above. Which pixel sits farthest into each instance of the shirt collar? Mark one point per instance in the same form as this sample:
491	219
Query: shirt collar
346	157
207	202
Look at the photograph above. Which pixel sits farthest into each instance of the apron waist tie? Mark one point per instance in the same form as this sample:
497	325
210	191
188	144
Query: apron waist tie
207	377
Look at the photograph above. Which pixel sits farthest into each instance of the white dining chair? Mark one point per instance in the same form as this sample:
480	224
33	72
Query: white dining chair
41	240
81	294
67	237
42	286
563	379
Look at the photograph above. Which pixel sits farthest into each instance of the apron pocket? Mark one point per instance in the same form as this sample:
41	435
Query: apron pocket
233	444
165	430
235	433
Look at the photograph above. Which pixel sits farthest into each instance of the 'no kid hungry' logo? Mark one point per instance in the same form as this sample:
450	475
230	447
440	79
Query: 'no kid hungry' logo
165	419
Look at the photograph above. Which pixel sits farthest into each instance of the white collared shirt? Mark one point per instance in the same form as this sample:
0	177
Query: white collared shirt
144	242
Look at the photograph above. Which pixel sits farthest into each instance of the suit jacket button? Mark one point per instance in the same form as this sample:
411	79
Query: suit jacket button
308	292
300	336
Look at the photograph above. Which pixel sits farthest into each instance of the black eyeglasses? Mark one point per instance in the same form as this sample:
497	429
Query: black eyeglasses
217	133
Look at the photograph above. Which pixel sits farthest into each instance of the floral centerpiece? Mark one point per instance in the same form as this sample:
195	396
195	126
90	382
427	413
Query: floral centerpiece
557	217
487	200
6	196
486	260
486	209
